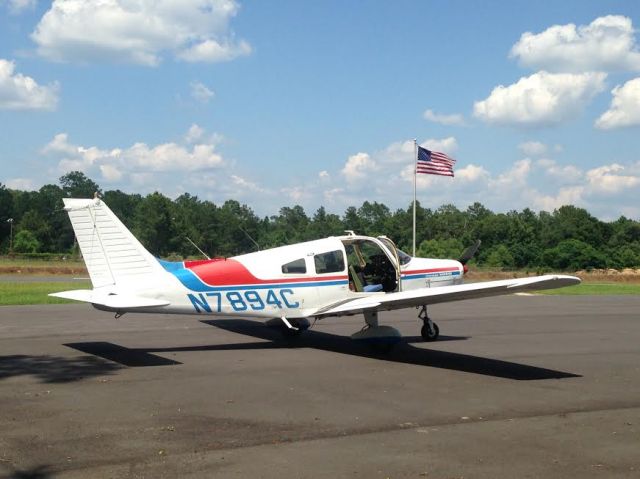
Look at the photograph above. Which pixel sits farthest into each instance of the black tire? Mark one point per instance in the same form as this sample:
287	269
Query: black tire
428	334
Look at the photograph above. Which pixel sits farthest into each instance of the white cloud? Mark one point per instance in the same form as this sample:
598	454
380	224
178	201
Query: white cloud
454	119
516	177
569	195
624	109
541	99
211	51
138	31
357	167
245	184
23	184
472	173
296	193
20	92
610	179
606	44
559	172
200	92
604	191
445	145
607	191
533	148
19	6
194	134
110	172
114	163
399	152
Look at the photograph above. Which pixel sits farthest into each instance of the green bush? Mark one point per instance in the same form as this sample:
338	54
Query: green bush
573	255
25	242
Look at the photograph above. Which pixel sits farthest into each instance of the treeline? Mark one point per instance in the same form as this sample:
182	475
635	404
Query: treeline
569	238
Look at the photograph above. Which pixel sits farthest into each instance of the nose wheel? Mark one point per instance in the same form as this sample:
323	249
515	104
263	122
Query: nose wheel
430	330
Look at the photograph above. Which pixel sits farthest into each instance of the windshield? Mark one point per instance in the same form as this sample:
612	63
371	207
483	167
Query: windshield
404	257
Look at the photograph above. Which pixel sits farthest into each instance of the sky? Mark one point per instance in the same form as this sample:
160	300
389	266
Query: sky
318	103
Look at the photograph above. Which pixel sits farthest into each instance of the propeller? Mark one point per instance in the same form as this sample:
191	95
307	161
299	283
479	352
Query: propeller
468	253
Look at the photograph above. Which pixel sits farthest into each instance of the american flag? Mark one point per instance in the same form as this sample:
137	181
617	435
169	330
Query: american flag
434	163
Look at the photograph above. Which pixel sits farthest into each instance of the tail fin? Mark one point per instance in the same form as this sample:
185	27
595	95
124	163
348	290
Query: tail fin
112	254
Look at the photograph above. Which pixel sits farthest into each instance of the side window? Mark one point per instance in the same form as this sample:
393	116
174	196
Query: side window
331	262
295	267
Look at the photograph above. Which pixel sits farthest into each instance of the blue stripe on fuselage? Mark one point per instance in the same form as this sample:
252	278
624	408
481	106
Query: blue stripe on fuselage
431	275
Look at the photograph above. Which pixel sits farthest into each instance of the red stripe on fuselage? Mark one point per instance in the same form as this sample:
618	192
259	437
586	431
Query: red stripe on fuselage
227	272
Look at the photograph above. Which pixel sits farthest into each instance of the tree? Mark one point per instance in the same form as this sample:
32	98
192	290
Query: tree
500	257
447	248
49	206
236	228
448	222
352	221
291	225
324	224
75	184
25	242
37	226
154	224
123	205
6	212
573	254
374	217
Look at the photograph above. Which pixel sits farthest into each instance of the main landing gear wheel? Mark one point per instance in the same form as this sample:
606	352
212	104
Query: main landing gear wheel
430	330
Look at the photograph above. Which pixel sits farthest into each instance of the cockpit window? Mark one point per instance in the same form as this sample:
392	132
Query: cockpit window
331	262
295	267
403	257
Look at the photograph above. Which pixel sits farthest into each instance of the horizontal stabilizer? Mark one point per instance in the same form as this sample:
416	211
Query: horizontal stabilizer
112	301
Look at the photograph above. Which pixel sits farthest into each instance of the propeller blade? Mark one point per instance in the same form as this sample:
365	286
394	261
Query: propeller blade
469	252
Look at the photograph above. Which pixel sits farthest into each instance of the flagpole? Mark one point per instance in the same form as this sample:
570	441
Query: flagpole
415	173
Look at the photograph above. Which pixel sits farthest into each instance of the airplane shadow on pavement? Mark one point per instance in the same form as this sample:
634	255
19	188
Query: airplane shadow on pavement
403	352
272	338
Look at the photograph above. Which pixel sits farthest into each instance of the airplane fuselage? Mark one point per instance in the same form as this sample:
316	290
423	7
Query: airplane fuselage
295	281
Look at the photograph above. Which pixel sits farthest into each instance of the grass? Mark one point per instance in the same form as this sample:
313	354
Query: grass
36	293
599	289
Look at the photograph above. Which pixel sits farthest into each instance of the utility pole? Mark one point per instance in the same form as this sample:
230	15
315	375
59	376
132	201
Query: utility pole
10	221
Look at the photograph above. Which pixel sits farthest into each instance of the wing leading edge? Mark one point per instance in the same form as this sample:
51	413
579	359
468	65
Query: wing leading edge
444	294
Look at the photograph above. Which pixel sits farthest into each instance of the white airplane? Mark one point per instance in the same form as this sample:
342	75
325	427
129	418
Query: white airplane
289	285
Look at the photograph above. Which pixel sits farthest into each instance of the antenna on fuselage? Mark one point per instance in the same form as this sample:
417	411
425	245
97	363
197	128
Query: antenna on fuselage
249	236
196	247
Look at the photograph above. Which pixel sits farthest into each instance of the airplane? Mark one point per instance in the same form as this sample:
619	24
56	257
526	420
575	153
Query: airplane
286	286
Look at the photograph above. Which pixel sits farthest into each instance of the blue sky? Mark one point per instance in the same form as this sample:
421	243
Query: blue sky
316	103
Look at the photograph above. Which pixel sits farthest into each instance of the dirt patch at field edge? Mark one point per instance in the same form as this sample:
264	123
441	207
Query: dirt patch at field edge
49	269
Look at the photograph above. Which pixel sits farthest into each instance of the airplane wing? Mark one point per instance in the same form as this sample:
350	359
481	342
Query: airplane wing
444	294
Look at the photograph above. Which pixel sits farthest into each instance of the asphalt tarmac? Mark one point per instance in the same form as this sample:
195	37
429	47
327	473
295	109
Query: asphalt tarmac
518	386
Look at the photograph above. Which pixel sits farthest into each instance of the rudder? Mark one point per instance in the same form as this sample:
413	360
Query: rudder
111	253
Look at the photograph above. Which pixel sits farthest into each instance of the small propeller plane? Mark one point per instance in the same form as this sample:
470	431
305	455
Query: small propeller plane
289	285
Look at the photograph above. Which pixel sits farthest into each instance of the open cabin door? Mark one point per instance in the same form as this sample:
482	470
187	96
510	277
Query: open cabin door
372	264
393	249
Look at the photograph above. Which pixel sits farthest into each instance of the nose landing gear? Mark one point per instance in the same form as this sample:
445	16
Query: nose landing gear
430	330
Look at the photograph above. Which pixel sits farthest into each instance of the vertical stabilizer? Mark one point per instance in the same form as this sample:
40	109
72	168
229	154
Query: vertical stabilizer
112	254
